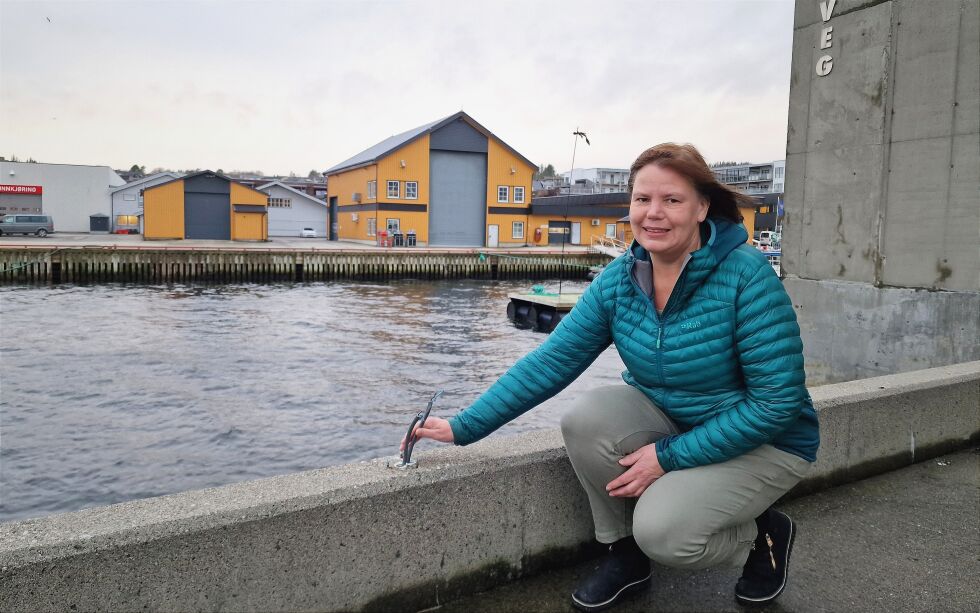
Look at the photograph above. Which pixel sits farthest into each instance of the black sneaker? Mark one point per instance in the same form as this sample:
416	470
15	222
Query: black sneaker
623	571
764	574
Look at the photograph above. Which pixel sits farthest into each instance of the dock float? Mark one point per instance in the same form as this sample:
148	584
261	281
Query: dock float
539	310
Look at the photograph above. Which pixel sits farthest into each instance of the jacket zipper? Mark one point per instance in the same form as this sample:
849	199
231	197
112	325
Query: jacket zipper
657	317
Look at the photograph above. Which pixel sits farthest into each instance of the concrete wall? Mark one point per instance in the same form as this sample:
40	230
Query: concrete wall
855	330
71	193
363	536
883	171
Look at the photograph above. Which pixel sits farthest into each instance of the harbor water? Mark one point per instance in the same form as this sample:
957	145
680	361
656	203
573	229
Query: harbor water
117	392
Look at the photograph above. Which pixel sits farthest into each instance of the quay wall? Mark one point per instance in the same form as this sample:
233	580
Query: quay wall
366	537
97	264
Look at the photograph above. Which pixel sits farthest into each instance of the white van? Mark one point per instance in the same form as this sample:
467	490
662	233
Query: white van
769	239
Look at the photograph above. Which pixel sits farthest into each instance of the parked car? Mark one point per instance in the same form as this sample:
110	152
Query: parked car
41	225
769	239
308	233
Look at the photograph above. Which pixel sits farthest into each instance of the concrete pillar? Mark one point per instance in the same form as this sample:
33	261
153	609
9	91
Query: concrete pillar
881	242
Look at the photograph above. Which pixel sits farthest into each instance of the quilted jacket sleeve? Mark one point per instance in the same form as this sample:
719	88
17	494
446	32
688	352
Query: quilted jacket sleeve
577	341
770	355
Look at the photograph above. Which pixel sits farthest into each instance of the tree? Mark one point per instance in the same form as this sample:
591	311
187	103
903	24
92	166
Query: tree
315	176
545	172
137	168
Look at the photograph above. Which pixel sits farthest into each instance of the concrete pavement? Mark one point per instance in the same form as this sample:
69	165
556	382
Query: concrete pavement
903	541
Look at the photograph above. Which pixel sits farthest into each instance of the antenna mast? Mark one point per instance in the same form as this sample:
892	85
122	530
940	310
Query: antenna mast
567	226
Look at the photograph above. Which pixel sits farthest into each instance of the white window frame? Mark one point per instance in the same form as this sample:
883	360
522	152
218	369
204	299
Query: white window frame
398	189
503	190
393	224
519	189
372	190
514	229
610	230
372	229
411	190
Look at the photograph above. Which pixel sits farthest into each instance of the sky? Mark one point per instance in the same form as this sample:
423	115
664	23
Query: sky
295	85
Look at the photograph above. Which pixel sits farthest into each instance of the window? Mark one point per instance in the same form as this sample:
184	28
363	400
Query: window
517	229
611	230
372	190
280	203
503	193
779	172
393	224
126	220
519	193
394	189
372	226
411	190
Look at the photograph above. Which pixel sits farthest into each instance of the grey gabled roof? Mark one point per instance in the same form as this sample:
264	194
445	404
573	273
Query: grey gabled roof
172	175
392	143
262	187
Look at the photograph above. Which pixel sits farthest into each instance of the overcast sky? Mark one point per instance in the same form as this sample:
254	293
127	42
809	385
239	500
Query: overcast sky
295	85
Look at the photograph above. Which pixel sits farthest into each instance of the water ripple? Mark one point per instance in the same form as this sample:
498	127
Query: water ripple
146	390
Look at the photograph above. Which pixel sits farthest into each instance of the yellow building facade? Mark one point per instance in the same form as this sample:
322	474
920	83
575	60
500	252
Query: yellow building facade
204	205
450	182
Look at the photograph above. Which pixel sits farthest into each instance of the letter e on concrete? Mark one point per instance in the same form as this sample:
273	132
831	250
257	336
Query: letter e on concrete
824	65
826	37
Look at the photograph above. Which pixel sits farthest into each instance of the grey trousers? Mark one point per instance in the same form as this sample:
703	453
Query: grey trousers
692	518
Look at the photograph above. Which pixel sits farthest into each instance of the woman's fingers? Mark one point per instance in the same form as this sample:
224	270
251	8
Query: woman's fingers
624	479
435	428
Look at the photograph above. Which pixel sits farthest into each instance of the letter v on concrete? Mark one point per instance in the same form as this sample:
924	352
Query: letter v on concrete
827	9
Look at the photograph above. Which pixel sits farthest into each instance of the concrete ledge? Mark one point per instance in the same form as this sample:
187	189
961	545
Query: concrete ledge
362	536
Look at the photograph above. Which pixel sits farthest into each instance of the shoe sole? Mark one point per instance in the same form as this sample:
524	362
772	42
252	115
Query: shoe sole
626	590
764	600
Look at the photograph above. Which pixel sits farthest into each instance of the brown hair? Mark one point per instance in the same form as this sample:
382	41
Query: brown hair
685	160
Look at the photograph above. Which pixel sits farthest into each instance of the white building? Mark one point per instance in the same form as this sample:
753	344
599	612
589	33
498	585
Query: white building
764	178
595	180
779	176
69	193
291	210
127	201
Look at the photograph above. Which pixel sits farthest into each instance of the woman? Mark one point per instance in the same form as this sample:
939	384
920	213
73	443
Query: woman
682	464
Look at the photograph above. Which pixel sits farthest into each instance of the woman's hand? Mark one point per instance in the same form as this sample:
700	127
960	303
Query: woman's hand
644	470
436	428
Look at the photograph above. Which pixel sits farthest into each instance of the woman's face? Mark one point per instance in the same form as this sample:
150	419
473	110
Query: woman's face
665	210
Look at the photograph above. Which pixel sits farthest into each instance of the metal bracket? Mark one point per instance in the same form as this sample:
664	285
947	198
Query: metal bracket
405	456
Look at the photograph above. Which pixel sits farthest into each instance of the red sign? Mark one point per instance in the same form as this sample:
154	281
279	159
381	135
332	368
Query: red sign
26	190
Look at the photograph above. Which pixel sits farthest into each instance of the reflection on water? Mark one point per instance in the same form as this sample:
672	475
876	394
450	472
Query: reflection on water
110	393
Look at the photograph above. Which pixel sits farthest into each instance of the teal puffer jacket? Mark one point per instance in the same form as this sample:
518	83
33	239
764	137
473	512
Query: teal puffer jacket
724	360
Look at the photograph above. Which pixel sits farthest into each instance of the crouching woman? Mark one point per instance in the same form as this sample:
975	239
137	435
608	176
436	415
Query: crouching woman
714	423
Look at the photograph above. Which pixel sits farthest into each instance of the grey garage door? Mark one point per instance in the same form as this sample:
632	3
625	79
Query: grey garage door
207	216
207	207
457	198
